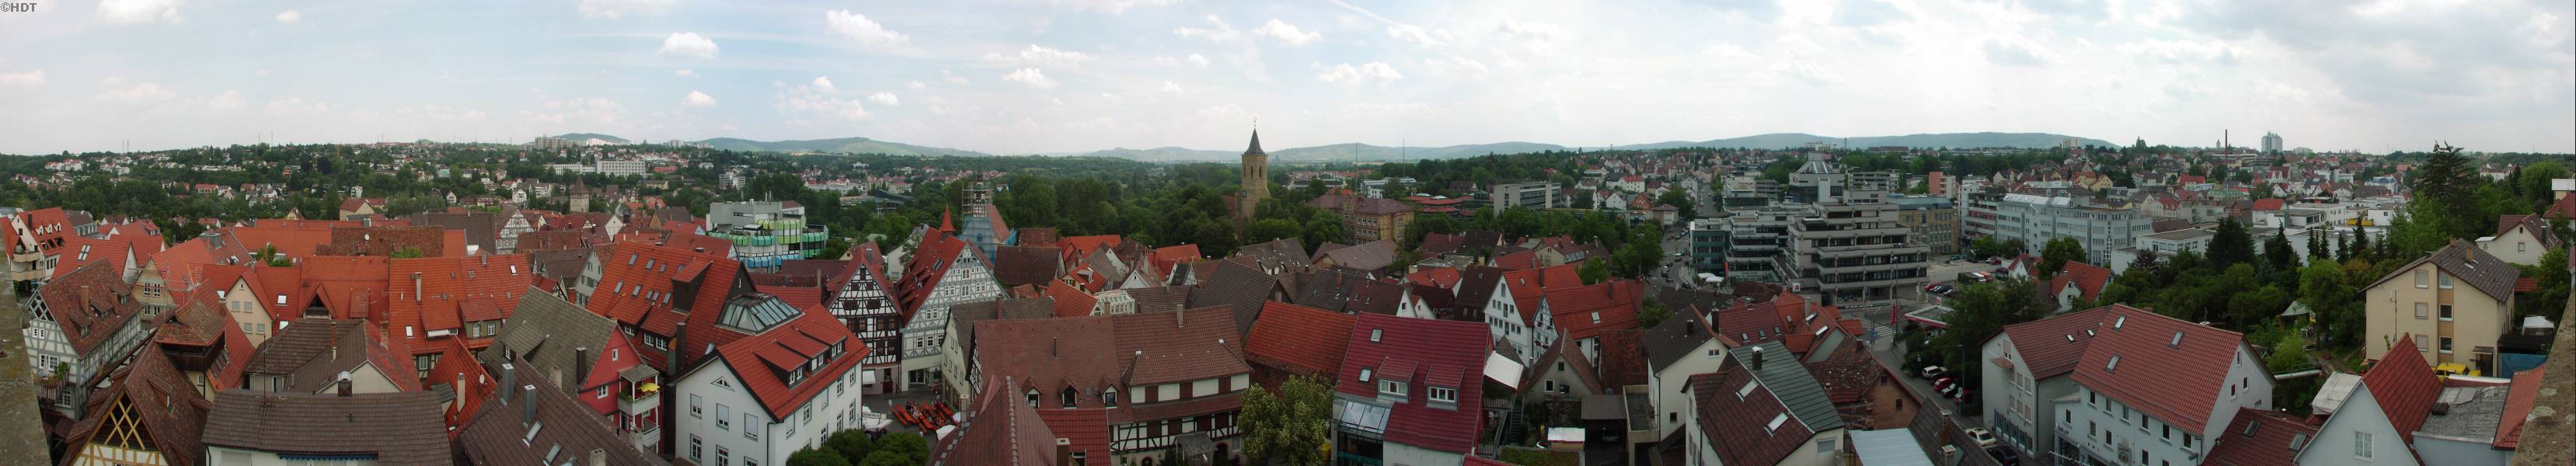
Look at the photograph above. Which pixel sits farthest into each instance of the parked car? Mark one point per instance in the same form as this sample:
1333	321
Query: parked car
1984	438
1944	383
1962	396
1934	372
2004	455
1950	392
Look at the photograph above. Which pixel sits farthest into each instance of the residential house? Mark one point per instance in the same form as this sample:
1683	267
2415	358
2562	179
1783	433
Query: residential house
653	291
792	382
2076	282
1678	348
79	327
1763	408
2520	239
530	424
944	271
356	208
317	355
1158	385
1005	432
1283	343
2033	365
2454	303
148	414
583	356
2152	388
1411	391
254	428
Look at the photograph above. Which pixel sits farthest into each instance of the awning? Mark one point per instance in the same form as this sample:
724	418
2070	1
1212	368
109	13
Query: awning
1888	447
1503	370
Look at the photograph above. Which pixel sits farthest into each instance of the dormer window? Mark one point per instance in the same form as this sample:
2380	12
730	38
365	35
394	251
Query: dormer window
1109	398
1444	394
1393	388
1033	398
1069	395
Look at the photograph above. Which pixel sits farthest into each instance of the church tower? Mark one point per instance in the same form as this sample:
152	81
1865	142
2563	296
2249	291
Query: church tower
1256	178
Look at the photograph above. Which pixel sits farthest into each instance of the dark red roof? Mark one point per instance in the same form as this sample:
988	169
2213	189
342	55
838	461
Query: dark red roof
1454	349
2087	279
2177	383
2260	438
927	266
2267	204
2404	385
1069	302
2051	346
1286	335
758	360
1738	429
2517	407
1589	311
637	287
1444	277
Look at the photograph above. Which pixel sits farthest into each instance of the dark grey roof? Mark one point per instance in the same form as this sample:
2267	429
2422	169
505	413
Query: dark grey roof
563	265
1674	339
565	431
546	331
1256	144
1283	253
1160	298
963	316
400	428
2483	271
1237	286
1789	381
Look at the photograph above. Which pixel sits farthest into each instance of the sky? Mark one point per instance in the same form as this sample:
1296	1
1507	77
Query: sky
1056	76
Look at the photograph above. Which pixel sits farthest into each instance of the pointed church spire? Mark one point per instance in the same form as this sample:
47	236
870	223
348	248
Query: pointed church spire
1256	144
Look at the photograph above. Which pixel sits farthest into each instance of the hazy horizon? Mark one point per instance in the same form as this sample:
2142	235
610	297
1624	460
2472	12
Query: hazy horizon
1057	76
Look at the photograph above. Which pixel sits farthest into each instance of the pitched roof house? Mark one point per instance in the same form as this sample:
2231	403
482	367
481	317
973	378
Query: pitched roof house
402	429
1763	408
1412	387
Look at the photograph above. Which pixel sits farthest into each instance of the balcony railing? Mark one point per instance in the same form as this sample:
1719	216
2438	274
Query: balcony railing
1220	433
640	404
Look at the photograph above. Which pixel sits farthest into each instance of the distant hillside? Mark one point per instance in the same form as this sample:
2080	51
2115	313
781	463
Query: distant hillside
837	145
577	137
1160	154
1953	140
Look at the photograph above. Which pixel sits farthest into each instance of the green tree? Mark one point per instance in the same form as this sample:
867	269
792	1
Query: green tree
1981	312
1270	229
1594	271
2551	298
2317	244
2054	256
2276	252
2361	244
910	447
1293	427
888	458
407	252
2232	244
1681	201
1652	313
2329	293
817	457
851	443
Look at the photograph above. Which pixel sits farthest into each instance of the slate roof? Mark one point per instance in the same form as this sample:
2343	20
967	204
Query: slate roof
1738	429
1160	298
2178	384
2404	385
402	428
479	227
562	427
2539	229
1239	287
1347	292
1429	353
1478	286
312	352
2050	347
2480	270
546	332
2260	438
1287	335
1674	339
1785	378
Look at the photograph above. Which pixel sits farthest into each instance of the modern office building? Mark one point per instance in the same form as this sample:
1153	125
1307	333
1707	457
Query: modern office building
1935	221
1850	250
1534	195
765	232
2036	219
1755	241
2271	142
1708	244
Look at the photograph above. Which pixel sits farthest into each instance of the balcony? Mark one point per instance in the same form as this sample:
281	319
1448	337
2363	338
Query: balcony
637	405
646	438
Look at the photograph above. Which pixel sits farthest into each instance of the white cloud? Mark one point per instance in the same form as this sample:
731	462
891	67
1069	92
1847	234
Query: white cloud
1031	77
1040	55
697	99
143	92
1113	98
1362	74
614	9
684	73
884	98
589	112
819	98
2183	51
230	99
859	28
28	78
1110	6
1170	87
296	105
262	72
2016	51
916	85
140	11
687	44
1222	32
1539	38
1285	32
290	16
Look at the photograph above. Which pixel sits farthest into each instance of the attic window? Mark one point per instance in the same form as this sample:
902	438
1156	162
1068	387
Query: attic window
1596	317
531	436
2113	365
281	300
2298	440
1364	374
1740	393
2249	428
1776	421
2123	320
2177	340
1375	334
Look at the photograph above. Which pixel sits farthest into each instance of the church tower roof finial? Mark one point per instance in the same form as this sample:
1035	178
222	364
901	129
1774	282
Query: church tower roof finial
1256	144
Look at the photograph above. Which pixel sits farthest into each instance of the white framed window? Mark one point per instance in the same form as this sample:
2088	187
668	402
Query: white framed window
2361	445
1391	387
2446	281
1444	394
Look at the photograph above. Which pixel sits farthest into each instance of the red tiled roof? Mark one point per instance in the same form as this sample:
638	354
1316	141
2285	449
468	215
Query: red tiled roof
2563	208
2404	385
1070	302
1588	311
2177	384
2051	347
2259	438
634	274
1084	430
1163	347
1444	277
1287	337
1530	286
1738	429
2267	204
757	360
1437	347
2087	278
2517	408
928	265
91	304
